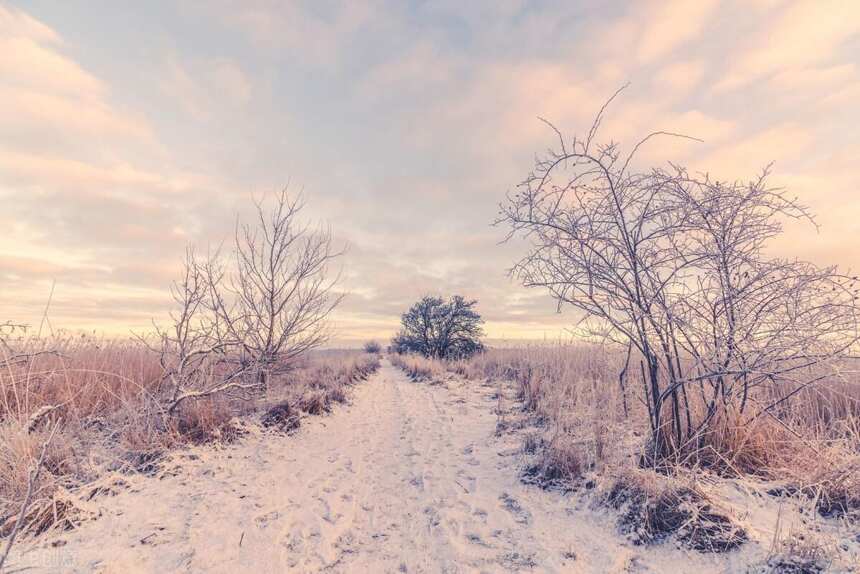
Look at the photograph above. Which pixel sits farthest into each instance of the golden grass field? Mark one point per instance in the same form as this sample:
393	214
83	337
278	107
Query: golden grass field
97	397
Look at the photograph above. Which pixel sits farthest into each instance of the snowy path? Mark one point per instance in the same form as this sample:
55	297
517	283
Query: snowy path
407	478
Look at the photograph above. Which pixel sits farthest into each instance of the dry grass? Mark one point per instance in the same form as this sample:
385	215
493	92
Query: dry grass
596	429
799	552
574	390
104	395
420	368
814	437
322	381
653	507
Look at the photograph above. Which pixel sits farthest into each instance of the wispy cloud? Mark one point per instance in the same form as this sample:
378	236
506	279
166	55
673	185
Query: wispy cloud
792	37
404	123
667	26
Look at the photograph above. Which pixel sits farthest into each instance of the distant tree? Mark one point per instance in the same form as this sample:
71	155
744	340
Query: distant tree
372	347
440	329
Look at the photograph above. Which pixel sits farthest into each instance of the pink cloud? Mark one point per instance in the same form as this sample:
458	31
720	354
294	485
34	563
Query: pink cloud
669	24
796	37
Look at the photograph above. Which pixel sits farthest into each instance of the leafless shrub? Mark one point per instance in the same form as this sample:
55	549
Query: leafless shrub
236	323
372	347
419	368
275	303
197	361
673	265
235	327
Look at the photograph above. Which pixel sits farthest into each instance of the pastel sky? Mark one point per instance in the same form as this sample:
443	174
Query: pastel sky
130	129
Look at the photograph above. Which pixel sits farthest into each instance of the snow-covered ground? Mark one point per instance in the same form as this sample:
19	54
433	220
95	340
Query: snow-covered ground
409	477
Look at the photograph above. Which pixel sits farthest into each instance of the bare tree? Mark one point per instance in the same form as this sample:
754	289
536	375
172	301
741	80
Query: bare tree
276	302
674	265
236	320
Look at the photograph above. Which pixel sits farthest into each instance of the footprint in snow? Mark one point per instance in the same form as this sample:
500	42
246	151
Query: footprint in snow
512	505
264	519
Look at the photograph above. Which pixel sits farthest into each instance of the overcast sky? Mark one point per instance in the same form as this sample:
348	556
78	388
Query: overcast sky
130	129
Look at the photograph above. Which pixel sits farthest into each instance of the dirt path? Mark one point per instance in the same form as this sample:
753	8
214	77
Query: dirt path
407	478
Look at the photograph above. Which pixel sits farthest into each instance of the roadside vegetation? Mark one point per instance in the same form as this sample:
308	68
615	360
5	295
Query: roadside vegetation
244	339
813	447
98	402
583	423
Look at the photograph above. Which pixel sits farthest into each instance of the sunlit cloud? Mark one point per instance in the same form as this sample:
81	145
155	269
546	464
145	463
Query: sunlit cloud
214	86
791	37
668	25
405	124
678	79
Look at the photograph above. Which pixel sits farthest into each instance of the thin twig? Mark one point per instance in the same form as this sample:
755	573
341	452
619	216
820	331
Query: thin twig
31	485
